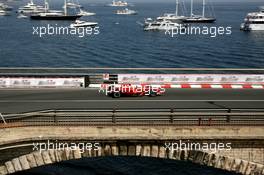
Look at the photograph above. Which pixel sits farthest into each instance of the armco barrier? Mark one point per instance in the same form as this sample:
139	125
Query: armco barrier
191	78
27	82
234	81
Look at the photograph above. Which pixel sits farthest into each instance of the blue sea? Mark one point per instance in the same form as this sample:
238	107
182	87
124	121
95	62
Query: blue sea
123	43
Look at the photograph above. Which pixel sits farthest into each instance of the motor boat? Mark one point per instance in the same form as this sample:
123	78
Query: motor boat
254	21
126	11
31	7
3	13
163	25
5	7
22	16
118	4
85	13
79	23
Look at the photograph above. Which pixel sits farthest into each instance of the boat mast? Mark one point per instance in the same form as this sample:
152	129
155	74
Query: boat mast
177	7
191	7
46	6
203	8
65	7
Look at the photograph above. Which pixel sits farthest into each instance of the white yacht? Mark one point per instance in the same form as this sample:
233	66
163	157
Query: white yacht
3	13
126	11
162	25
5	7
21	15
254	21
79	23
172	16
31	8
85	13
118	3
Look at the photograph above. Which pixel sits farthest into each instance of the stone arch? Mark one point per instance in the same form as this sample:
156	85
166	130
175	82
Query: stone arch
36	159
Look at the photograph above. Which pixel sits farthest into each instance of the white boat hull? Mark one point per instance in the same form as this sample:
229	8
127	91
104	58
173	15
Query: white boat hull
256	26
253	27
87	24
162	28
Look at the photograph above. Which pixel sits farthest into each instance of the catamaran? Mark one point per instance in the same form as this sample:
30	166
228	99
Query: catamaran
198	18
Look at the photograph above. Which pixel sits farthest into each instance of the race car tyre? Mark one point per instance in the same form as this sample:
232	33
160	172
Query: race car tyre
116	94
153	94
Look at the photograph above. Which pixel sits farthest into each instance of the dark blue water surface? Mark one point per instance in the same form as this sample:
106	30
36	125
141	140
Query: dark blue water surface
123	43
125	166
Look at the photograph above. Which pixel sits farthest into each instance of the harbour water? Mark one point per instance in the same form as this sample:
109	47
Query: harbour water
123	43
125	166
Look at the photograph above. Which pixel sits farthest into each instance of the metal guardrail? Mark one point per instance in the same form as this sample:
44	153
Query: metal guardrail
3	119
177	117
92	70
125	68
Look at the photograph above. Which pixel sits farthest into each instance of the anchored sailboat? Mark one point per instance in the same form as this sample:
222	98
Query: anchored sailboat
197	18
53	15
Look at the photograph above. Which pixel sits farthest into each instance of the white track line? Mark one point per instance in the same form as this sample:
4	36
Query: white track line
118	100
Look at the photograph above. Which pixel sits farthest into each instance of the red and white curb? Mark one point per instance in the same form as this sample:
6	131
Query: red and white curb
197	86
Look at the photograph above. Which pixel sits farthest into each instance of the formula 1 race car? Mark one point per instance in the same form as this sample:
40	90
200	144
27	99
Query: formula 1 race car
118	90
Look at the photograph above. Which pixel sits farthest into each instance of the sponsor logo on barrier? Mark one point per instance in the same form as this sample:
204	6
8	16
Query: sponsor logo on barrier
105	76
191	78
41	82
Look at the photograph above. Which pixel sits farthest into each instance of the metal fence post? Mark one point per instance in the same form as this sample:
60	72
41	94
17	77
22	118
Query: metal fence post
3	118
113	116
228	117
55	118
199	121
171	116
209	121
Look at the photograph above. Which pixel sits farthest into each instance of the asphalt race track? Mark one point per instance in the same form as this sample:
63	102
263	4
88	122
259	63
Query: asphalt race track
25	100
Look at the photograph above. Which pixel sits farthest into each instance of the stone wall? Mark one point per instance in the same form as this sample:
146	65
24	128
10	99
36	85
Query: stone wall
36	159
135	141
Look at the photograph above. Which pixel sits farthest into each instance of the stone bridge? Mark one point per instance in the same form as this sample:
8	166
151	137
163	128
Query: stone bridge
240	149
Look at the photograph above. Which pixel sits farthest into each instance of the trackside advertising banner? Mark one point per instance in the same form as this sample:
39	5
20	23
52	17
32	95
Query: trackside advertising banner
41	82
191	78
